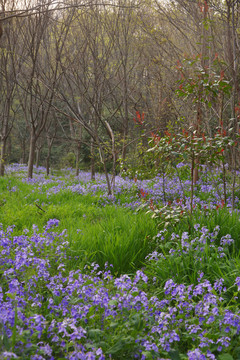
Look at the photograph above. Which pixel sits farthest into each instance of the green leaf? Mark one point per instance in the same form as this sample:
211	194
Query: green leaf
6	342
14	331
11	296
174	355
119	345
225	357
91	311
113	302
113	324
237	351
94	333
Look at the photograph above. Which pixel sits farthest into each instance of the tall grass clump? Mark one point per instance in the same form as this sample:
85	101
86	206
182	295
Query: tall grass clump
117	236
96	233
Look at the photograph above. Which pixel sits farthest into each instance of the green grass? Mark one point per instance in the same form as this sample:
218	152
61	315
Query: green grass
95	233
110	234
116	235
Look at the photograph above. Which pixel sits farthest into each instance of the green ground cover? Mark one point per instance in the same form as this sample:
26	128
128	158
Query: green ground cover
88	276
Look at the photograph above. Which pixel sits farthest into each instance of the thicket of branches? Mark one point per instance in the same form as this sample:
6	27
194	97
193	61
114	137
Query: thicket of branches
75	74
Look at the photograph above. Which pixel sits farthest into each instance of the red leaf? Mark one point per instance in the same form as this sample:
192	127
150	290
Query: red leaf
205	6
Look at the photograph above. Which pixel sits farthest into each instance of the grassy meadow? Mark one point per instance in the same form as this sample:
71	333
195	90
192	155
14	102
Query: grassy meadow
134	275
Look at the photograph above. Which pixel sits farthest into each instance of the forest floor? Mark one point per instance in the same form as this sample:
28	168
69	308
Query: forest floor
146	273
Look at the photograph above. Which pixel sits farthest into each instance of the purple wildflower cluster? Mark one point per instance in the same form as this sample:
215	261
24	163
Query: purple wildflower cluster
50	312
204	245
177	194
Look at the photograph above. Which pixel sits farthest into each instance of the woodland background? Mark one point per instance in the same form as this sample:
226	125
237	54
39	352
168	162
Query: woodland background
86	83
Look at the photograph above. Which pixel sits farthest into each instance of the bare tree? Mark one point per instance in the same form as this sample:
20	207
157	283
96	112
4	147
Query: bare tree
86	78
40	74
9	68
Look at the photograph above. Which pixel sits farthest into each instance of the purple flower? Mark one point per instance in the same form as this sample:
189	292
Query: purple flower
237	282
140	275
8	355
196	355
51	223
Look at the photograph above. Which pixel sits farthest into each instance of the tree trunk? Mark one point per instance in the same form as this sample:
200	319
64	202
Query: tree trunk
78	157
3	157
110	190
204	66
9	147
31	156
23	143
125	124
48	164
195	172
114	155
92	161
50	142
37	157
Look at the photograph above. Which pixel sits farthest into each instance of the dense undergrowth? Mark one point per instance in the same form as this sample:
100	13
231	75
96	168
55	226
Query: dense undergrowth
84	275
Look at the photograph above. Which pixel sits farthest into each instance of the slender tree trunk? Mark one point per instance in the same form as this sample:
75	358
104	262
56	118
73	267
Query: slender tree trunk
235	96
198	124
204	66
37	157
50	143
48	160
31	156
4	136
114	155
224	183
125	105
110	190
3	156
78	157
9	147
23	143
48	164
92	161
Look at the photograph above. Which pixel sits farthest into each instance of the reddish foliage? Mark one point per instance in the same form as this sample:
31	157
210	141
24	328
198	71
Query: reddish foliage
151	204
143	193
203	6
139	118
178	66
155	137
